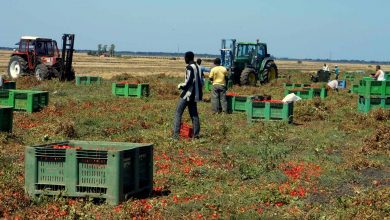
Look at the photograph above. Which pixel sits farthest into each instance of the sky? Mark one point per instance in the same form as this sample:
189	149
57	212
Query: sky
336	29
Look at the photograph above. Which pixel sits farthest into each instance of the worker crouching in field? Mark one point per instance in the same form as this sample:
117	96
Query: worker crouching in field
218	76
191	93
333	85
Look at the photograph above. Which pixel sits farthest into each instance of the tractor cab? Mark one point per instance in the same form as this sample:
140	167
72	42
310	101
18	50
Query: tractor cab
41	56
248	62
38	50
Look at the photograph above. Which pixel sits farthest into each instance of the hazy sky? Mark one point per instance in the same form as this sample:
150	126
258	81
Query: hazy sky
340	29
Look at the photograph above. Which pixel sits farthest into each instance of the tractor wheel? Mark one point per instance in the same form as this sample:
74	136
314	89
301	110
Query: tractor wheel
17	66
270	72
41	72
248	77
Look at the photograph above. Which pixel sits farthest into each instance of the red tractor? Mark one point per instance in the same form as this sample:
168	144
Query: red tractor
41	57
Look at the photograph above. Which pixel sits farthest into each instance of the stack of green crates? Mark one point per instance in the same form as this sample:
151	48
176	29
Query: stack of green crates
105	170
6	118
237	103
130	90
88	80
308	93
24	100
373	94
269	110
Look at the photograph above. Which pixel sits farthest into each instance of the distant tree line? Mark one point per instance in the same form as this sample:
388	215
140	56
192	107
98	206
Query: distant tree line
103	51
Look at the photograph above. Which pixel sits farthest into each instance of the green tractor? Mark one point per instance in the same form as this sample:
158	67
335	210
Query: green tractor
248	63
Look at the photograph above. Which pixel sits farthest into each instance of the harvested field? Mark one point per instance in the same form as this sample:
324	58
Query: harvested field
330	163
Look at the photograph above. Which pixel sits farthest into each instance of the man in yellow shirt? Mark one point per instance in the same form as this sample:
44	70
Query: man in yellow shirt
218	76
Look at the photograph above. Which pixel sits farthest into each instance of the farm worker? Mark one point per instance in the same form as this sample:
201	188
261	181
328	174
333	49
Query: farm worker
334	84
191	93
379	74
336	71
218	76
325	67
202	69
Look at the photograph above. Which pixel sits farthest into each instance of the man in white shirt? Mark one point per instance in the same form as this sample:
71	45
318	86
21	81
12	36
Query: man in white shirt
325	67
379	74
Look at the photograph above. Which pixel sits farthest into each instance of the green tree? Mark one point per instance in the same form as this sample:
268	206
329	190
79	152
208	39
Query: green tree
104	49
99	52
112	50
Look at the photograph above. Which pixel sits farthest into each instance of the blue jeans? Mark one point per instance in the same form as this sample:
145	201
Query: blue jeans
193	110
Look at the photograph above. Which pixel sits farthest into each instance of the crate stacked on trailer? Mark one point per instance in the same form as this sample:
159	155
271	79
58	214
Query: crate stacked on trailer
373	94
105	170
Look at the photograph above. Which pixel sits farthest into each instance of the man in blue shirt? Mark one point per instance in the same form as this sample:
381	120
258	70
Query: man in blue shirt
202	69
337	71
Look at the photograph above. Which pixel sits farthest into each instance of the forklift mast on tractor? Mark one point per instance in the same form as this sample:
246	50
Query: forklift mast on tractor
41	57
248	63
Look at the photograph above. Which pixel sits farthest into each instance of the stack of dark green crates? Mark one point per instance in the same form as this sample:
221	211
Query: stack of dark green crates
373	94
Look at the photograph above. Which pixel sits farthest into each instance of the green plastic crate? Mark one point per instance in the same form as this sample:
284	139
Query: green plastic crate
355	89
208	85
308	93
88	80
294	85
107	170
28	100
387	75
321	92
6	118
349	77
4	97
130	90
237	103
270	110
9	85
365	104
369	87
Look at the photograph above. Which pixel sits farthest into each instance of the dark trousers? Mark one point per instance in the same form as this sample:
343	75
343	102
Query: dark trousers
193	110
218	99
